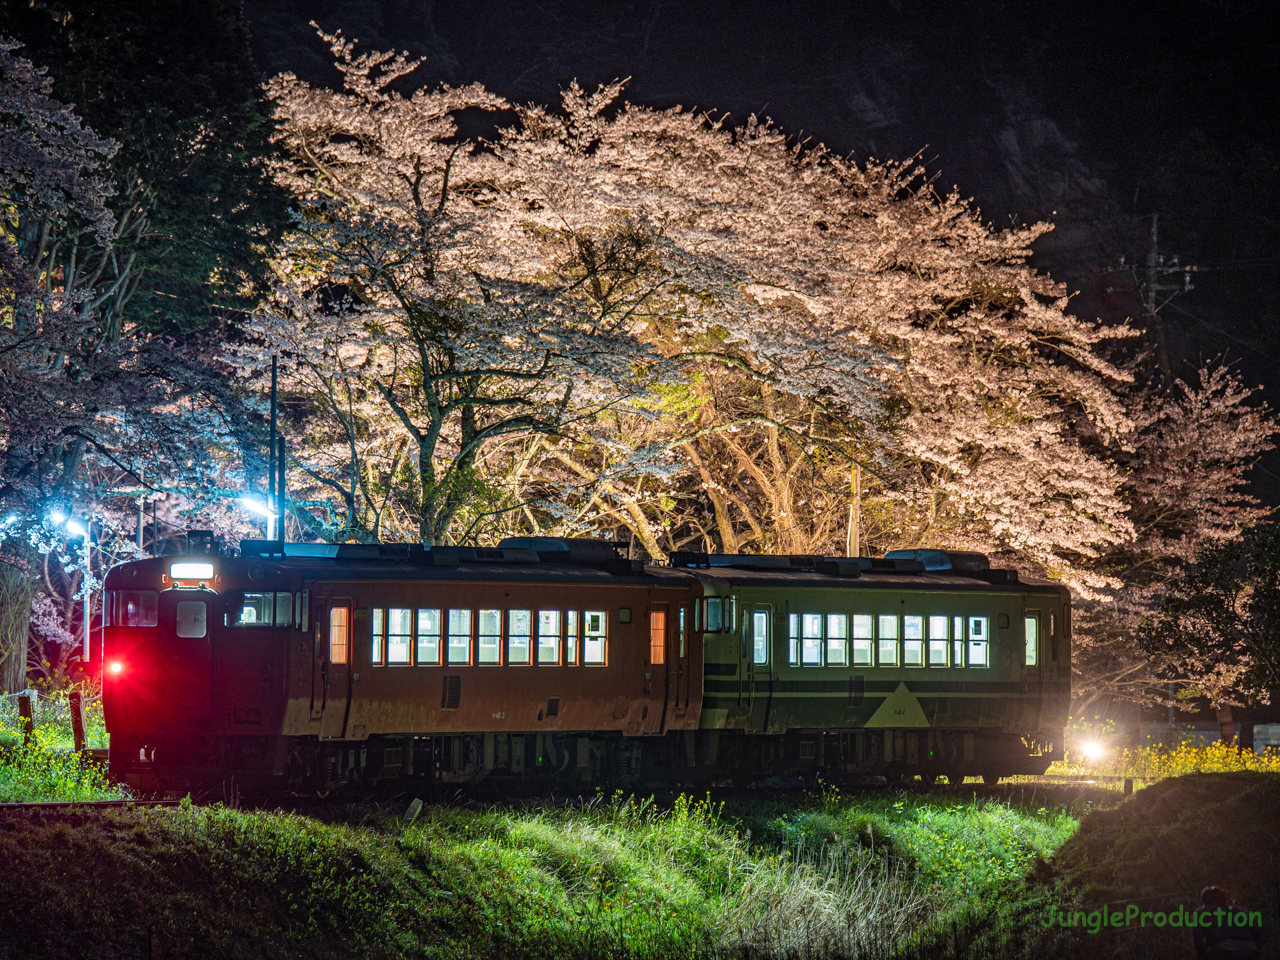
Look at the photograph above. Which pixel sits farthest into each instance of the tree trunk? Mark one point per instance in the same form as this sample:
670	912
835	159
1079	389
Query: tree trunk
1227	725
15	626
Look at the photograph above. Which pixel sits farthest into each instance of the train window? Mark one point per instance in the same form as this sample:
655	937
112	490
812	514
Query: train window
519	636
571	637
862	639
978	642
887	653
548	636
715	614
680	632
339	634
459	636
811	639
375	655
135	608
399	635
305	614
191	618
837	636
938	641
428	653
1033	628
730	614
284	609
913	641
760	636
957	641
251	610
657	636
595	640
793	630
489	649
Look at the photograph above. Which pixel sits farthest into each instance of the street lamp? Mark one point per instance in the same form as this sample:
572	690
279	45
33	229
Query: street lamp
78	529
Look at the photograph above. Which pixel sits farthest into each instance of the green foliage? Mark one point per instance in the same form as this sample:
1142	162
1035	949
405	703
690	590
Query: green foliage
173	83
42	772
1157	763
1218	621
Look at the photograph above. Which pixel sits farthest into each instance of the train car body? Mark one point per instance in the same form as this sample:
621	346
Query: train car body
315	668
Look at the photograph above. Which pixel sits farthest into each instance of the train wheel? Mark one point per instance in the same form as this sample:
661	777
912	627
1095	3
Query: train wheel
991	779
928	779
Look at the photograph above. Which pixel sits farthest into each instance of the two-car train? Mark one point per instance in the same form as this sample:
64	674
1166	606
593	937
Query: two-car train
313	668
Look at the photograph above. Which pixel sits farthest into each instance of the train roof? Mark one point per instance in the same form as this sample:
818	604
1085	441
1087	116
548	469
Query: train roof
597	562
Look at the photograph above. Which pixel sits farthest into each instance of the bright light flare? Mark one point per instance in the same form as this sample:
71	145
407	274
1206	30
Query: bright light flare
257	506
1093	751
76	528
116	667
191	571
10	520
57	516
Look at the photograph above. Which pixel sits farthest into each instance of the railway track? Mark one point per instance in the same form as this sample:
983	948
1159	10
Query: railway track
67	804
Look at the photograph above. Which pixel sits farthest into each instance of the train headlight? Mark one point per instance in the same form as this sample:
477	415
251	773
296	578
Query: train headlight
1093	751
115	667
186	570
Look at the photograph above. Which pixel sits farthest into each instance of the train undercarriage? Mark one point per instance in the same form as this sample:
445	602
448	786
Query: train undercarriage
496	763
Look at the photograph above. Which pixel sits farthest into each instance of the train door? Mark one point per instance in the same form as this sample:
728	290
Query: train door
186	652
335	668
757	632
657	675
1034	650
683	641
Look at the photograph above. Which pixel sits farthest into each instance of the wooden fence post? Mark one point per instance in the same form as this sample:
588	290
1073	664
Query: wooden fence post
75	701
28	718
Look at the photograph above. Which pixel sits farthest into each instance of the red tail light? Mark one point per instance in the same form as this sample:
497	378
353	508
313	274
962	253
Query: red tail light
115	667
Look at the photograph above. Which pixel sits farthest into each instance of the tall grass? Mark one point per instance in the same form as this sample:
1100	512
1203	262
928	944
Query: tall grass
48	769
1156	763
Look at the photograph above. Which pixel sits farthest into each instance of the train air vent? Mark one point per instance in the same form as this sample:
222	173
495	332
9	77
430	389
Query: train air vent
762	561
840	567
451	693
553	707
937	560
688	558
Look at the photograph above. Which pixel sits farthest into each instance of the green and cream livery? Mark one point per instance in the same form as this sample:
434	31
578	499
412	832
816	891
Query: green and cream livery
922	663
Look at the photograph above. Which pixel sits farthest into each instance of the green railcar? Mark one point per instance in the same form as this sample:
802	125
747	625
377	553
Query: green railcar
922	663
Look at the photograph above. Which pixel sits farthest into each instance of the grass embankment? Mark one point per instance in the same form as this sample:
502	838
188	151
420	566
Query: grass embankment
1156	850
830	876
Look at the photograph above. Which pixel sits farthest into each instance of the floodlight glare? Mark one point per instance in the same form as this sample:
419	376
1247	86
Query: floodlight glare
57	516
10	520
76	528
259	507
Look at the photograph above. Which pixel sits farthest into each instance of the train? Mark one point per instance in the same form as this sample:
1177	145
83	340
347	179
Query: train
321	669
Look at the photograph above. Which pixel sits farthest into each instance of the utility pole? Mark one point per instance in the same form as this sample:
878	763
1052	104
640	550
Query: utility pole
853	544
1154	287
271	459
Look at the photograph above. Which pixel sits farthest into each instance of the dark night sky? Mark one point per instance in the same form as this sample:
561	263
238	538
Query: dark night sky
1092	115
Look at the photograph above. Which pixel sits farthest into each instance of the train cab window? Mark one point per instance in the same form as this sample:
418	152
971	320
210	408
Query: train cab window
1033	639
978	642
887	652
519	636
259	610
862	640
760	636
715	614
134	608
459	636
913	641
837	638
657	637
957	641
548	636
680	633
938	641
379	625
811	639
428	652
595	637
489	648
339	634
192	618
793	632
399	635
571	637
